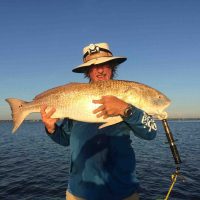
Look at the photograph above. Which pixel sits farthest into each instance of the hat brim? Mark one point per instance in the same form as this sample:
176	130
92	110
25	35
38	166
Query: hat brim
84	67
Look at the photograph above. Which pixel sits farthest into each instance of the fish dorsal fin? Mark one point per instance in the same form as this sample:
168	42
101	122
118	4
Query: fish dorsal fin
54	90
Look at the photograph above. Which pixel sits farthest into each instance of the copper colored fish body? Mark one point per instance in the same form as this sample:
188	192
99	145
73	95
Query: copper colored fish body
74	100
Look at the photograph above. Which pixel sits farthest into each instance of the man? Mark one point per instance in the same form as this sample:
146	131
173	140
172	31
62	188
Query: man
102	160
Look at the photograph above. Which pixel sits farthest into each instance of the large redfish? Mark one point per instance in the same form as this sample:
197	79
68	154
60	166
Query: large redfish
74	100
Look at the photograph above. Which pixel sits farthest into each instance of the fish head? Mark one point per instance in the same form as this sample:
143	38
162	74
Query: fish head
162	100
159	102
146	98
153	101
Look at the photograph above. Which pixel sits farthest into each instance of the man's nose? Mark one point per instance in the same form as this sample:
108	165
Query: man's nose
100	69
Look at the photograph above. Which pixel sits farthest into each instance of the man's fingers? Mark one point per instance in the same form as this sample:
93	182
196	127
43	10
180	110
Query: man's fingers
103	113
105	116
43	108
100	108
99	101
51	112
45	114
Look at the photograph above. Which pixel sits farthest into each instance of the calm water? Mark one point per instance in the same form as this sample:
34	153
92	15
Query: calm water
34	167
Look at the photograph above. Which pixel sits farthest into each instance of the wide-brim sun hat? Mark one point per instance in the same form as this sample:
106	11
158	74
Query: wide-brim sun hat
96	54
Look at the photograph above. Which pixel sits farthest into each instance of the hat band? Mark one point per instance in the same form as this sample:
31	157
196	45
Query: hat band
97	55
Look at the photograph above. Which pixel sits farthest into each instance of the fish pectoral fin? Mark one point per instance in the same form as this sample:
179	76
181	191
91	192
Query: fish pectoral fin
162	115
111	121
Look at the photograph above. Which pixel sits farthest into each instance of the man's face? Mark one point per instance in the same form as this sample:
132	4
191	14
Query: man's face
100	72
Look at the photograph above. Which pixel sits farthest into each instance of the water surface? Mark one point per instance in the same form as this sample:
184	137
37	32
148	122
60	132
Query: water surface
34	167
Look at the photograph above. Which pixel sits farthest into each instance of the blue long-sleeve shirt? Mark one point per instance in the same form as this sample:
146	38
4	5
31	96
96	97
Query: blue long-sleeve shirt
103	160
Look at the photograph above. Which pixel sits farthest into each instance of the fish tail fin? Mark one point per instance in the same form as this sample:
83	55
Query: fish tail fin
18	112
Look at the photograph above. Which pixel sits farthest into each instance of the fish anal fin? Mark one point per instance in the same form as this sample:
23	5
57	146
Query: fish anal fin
111	121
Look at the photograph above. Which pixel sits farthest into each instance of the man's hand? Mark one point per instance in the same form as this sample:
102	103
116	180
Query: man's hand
47	120
110	106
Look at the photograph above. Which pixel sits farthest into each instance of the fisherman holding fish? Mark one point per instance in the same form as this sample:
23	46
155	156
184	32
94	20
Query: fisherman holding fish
98	117
103	165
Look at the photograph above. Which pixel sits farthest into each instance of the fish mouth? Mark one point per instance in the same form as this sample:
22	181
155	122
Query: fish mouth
166	104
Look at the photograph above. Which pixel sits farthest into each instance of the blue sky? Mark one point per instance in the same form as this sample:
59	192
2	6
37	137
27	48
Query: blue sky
42	40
